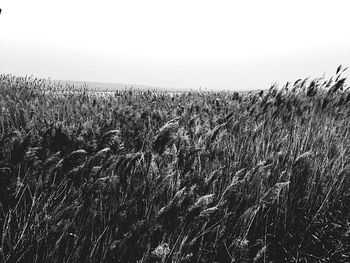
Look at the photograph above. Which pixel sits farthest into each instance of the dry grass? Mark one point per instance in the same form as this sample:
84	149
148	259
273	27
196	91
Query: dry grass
199	177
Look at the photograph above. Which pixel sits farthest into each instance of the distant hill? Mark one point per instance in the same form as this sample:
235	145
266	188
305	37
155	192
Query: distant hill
110	86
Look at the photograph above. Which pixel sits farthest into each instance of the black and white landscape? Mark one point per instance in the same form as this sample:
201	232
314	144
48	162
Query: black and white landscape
174	131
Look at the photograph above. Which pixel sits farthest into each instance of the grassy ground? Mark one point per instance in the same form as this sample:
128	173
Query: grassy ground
149	177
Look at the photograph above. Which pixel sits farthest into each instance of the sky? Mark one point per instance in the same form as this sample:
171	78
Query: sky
220	45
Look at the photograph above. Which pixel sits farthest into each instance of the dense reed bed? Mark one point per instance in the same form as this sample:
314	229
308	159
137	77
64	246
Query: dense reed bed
145	176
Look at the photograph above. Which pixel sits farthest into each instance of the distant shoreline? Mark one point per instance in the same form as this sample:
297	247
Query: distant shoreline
113	87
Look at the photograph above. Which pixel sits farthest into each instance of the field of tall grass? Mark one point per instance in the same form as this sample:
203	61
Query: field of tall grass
145	176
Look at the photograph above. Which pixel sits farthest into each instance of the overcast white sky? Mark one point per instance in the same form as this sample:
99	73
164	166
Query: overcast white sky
181	43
